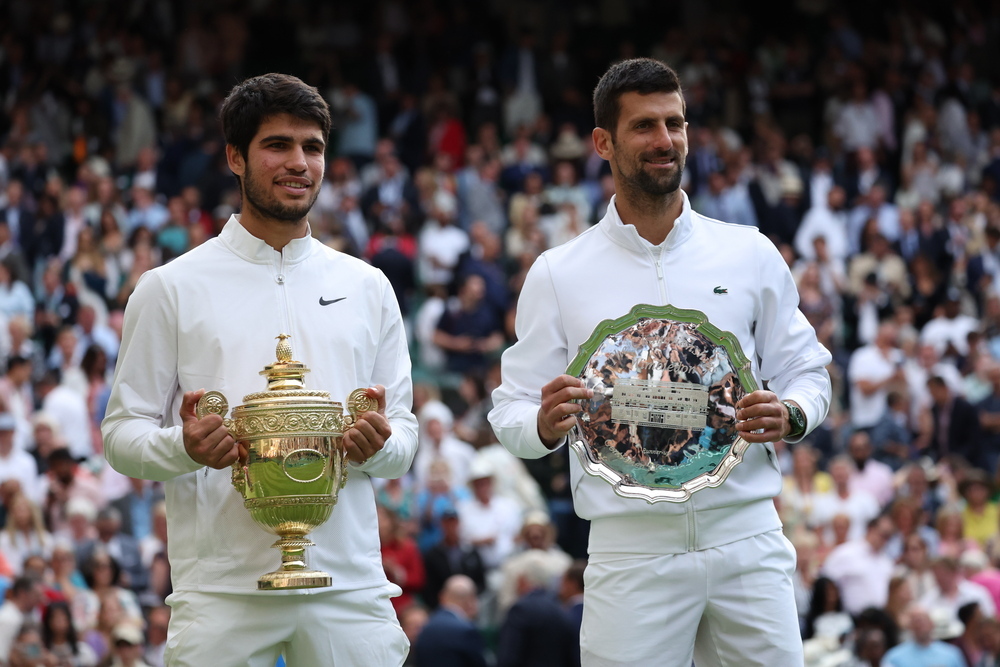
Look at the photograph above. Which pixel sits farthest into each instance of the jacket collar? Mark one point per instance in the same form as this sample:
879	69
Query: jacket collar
248	246
626	235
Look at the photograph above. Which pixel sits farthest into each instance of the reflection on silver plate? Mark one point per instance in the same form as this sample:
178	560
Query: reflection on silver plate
662	422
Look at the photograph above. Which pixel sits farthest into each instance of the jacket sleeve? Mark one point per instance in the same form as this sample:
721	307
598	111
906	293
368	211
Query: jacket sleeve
137	441
538	357
392	370
791	358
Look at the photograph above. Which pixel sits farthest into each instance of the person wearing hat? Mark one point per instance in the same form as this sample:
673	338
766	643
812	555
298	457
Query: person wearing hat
980	516
128	646
924	649
15	463
489	522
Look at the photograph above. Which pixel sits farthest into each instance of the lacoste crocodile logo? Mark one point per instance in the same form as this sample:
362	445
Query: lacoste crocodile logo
324	302
721	290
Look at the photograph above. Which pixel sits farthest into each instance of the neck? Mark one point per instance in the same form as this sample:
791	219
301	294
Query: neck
652	216
275	233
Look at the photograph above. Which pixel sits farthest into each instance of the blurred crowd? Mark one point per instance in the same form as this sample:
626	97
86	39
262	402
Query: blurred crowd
864	142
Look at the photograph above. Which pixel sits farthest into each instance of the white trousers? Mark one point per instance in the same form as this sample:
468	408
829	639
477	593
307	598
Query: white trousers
731	606
326	629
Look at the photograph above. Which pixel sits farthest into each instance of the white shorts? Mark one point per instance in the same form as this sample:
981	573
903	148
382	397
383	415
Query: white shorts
730	606
327	629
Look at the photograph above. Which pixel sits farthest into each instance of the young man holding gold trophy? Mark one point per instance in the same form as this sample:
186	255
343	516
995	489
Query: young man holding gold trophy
651	368
208	321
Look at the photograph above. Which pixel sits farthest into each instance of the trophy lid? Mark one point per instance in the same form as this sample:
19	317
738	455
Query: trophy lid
285	378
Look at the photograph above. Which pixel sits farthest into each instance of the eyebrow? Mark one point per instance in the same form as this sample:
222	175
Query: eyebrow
291	140
655	119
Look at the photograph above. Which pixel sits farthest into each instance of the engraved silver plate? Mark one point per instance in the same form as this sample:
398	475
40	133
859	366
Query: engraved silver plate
662	422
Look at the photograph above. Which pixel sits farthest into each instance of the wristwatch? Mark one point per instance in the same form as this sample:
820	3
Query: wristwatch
796	419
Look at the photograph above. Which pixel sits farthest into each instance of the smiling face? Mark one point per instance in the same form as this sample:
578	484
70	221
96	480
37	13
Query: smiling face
648	148
282	172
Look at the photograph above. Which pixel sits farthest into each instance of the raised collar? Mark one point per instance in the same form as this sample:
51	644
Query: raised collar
628	237
248	246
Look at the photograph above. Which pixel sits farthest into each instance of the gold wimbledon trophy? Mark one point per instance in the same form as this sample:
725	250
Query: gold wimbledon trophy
295	461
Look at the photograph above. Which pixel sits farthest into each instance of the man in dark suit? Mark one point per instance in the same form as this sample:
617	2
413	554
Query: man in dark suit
956	424
571	596
537	631
450	639
448	558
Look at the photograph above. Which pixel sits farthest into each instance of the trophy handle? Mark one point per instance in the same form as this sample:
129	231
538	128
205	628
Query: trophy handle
358	403
215	403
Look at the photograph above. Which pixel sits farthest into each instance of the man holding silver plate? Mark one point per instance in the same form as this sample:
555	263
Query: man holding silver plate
299	464
644	344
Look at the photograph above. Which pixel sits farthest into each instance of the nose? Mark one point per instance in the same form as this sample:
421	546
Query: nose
661	138
296	160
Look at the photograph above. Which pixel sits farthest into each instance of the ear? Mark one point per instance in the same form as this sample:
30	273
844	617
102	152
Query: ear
236	162
602	143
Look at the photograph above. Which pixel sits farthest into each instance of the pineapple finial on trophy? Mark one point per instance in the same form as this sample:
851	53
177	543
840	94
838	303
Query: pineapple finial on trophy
284	349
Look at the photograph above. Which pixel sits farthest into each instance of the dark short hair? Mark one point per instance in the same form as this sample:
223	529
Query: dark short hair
638	75
16	361
251	102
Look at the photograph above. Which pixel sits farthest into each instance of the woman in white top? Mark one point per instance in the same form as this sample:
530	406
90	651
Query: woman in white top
24	533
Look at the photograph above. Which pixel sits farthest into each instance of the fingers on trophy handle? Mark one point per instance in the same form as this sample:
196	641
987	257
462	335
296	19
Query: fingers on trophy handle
215	403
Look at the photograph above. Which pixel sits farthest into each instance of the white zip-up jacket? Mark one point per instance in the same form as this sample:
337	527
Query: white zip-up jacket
209	320
601	275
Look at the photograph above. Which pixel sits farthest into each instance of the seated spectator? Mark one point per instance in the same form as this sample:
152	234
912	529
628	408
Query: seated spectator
120	546
450	636
16	463
400	559
489	522
129	645
954	591
922	649
861	569
24	534
891	436
66	480
450	556
951	533
869	475
826	616
437	442
106	602
469	330
59	635
537	631
537	549
980	516
859	505
909	518
24	596
156	635
433	501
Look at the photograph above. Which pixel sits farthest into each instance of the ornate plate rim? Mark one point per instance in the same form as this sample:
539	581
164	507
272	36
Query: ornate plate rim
624	485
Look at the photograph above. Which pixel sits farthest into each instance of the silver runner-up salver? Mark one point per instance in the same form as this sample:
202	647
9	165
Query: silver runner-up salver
662	421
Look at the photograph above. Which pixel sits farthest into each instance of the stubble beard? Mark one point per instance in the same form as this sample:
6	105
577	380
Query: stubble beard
255	197
645	185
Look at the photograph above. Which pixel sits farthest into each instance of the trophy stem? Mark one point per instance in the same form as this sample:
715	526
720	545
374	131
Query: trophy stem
293	572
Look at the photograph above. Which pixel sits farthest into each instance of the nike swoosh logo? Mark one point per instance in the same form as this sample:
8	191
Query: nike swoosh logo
324	302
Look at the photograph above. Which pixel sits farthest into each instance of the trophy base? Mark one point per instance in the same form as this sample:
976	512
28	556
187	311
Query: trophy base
283	580
293	572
